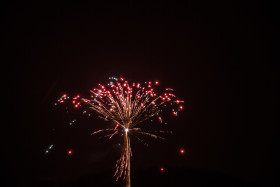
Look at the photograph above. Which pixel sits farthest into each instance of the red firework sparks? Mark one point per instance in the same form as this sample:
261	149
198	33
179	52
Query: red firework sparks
127	106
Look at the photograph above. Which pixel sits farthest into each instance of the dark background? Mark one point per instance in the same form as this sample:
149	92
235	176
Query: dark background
214	54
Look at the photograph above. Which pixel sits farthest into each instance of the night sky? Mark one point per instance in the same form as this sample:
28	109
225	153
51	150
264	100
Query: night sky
213	54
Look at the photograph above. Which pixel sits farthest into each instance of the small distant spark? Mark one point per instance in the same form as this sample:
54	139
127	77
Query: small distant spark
70	152
182	151
48	149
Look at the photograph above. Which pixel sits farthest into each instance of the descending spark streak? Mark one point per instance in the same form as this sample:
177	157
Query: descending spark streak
152	135
101	130
139	139
119	103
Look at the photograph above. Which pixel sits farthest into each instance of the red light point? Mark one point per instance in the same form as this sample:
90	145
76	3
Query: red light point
156	82
182	151
69	152
162	169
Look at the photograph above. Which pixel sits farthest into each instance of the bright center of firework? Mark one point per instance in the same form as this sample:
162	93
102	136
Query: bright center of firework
126	129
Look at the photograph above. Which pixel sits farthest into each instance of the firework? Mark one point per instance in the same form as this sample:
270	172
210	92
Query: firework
127	106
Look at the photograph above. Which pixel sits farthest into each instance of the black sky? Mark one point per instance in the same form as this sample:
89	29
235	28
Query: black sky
214	54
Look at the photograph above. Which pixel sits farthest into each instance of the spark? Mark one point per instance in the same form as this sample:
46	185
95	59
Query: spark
72	122
70	152
49	149
182	151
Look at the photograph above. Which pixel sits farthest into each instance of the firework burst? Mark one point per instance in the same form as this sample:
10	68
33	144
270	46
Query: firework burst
127	106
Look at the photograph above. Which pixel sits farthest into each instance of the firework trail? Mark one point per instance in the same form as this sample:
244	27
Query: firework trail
127	106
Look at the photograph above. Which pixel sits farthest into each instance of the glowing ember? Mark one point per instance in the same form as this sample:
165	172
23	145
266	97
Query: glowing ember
69	152
182	151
